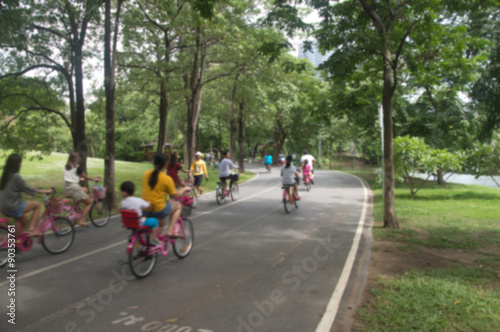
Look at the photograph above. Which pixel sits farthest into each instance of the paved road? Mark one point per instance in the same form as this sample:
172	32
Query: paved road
253	268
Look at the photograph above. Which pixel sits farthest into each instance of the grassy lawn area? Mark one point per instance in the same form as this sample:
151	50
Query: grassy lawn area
48	172
456	230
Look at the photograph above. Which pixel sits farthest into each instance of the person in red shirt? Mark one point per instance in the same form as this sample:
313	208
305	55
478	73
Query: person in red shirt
173	168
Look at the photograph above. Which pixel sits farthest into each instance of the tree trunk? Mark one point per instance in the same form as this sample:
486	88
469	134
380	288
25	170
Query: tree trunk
390	220
163	110
331	153
81	142
241	139
109	85
232	120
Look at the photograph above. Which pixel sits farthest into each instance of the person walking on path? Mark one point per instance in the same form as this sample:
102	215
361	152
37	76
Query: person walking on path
199	168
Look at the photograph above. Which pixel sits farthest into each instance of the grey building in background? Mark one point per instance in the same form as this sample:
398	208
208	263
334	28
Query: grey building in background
314	56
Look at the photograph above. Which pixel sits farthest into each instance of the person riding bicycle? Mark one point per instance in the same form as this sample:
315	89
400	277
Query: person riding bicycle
268	160
224	168
72	175
306	170
290	176
173	168
130	202
199	168
156	185
311	160
11	187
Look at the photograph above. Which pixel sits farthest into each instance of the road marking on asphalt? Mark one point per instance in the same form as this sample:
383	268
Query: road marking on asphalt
328	318
124	241
65	262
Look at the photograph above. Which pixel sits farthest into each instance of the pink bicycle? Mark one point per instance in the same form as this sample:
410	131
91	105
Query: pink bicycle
307	182
55	233
222	192
100	212
142	254
289	198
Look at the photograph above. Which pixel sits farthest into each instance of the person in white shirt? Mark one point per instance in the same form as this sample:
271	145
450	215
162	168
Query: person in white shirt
130	202
290	176
72	175
311	160
224	168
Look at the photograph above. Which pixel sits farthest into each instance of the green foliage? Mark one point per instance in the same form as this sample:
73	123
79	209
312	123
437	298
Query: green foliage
413	156
484	159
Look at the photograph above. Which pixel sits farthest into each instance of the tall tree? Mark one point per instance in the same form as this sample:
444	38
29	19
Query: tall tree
52	42
110	43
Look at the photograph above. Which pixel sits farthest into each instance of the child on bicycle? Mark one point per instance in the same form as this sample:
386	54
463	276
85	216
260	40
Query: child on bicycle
11	187
72	175
290	176
130	202
306	170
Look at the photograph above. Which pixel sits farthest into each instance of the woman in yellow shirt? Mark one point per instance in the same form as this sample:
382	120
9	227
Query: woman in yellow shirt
199	168
155	187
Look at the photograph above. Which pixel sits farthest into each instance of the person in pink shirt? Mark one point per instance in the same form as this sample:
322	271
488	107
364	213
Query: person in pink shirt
306	171
173	168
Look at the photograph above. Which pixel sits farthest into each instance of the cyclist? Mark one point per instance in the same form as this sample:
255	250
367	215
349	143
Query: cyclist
290	176
224	168
72	175
11	187
282	159
311	160
306	169
130	202
268	161
199	168
173	168
155	187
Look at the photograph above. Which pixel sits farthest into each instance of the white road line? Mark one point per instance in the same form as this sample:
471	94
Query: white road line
65	262
122	242
328	318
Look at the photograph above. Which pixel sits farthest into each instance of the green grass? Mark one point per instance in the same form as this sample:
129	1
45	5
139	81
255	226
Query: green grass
48	172
453	299
460	218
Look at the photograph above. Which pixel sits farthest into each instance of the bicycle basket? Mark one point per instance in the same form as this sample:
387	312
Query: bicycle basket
130	219
54	205
236	177
99	193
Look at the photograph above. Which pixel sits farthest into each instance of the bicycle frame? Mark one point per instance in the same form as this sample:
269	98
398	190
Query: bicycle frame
289	194
25	242
165	240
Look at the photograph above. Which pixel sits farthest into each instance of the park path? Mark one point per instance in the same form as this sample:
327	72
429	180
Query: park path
253	268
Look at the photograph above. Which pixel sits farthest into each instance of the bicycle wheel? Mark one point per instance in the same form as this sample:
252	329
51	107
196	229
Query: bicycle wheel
192	194
141	263
183	245
287	204
4	245
235	192
58	239
296	202
308	186
100	213
219	195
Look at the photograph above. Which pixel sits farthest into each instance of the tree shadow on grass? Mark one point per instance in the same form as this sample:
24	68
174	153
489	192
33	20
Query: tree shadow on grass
466	195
